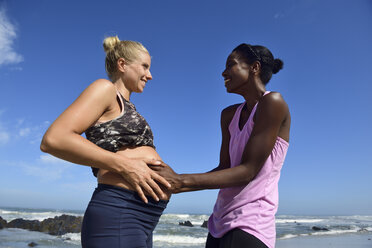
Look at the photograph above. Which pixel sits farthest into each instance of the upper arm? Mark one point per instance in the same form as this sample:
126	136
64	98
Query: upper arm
226	117
86	109
271	112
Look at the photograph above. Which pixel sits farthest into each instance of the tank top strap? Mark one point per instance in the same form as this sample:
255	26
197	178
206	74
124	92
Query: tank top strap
235	120
122	101
253	112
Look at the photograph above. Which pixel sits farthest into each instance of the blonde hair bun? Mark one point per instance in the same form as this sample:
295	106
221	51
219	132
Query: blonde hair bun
116	49
110	42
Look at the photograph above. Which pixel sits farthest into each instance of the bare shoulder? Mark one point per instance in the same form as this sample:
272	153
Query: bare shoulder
273	97
273	111
228	113
102	86
272	107
101	93
273	100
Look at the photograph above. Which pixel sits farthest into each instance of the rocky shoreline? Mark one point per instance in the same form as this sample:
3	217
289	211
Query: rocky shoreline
63	224
58	225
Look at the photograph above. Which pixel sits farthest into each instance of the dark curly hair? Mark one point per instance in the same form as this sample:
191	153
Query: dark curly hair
250	54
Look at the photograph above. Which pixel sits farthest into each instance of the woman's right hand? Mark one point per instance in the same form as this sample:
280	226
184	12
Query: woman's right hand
137	173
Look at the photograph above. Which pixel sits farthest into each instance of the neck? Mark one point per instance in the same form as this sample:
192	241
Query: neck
254	93
119	84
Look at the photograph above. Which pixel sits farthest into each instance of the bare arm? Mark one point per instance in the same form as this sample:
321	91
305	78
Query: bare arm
270	115
63	139
226	117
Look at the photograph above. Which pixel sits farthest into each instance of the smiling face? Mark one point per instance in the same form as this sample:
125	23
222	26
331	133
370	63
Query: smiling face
236	74
137	73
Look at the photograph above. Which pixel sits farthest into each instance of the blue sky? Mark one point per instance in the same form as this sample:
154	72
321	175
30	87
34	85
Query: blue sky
51	50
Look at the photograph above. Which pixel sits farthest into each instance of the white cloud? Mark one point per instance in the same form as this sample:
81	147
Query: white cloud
4	134
47	168
20	130
24	131
16	68
50	159
278	15
7	36
80	186
45	173
4	137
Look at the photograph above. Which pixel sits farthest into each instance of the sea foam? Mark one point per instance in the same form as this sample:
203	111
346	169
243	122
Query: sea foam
178	239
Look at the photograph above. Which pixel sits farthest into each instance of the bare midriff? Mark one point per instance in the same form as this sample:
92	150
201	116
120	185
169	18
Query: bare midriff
140	152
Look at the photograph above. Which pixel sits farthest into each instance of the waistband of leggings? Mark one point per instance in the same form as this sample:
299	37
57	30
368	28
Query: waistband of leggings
102	186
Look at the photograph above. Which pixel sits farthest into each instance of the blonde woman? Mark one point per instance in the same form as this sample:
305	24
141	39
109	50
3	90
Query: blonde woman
128	201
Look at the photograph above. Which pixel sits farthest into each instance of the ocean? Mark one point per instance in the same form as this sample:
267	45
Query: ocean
169	233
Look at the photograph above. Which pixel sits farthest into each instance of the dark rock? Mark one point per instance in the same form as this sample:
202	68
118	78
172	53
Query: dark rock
186	223
32	244
58	225
315	228
363	230
32	225
205	224
3	223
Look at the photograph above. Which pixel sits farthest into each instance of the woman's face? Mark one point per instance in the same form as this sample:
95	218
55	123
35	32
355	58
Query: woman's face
138	73
236	73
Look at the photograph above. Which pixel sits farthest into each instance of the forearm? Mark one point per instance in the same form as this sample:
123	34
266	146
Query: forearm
217	179
215	169
76	149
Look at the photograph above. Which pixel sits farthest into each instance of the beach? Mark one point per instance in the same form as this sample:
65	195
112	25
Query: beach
292	231
344	241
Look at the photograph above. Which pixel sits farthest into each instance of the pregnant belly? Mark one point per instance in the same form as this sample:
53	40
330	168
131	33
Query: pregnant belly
141	152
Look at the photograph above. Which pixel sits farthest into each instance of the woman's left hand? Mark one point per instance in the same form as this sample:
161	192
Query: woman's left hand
168	174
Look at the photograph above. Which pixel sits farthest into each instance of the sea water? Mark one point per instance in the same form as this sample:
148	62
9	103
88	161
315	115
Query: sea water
169	233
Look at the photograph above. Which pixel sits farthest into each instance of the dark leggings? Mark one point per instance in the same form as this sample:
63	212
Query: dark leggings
235	238
117	217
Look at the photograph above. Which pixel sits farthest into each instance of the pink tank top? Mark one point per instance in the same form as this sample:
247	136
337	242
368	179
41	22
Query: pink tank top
251	207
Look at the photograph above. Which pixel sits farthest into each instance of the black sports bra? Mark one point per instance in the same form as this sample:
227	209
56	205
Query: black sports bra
128	129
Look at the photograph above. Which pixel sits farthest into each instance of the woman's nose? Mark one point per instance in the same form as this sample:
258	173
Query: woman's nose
224	73
149	76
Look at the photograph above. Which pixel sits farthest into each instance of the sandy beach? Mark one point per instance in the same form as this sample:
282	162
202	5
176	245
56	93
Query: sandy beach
344	241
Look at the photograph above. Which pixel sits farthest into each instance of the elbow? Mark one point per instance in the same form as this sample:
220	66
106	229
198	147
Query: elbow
47	143
247	175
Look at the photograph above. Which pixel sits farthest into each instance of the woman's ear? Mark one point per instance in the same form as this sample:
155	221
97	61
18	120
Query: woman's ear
121	64
256	67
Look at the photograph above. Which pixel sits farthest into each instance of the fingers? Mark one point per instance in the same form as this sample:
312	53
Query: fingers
156	162
163	164
152	161
161	180
142	179
157	190
141	194
155	167
149	190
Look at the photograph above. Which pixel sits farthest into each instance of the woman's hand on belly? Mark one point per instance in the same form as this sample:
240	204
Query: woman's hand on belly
143	179
172	177
136	175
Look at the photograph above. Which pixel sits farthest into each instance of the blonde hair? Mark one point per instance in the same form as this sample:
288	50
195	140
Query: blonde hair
116	49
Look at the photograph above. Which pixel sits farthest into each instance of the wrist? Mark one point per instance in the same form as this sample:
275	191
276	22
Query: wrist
183	182
118	163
